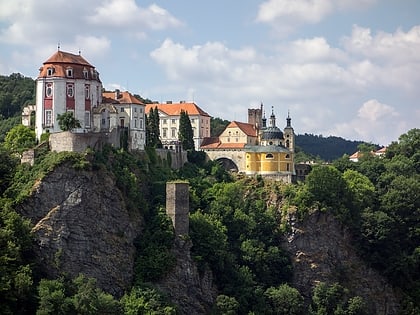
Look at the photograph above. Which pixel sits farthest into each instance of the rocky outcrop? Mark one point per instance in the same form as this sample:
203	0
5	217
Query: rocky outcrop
82	225
322	251
192	292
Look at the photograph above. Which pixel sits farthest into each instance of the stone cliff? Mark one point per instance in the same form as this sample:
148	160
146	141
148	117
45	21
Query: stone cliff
322	250
82	225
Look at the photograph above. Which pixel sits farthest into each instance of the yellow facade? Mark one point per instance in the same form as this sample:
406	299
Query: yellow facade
269	162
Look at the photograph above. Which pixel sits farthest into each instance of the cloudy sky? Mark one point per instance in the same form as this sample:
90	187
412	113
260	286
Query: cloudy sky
348	68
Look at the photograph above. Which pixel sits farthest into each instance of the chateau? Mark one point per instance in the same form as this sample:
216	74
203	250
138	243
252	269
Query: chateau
69	83
255	148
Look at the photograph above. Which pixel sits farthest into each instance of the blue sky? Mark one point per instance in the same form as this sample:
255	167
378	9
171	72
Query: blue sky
348	68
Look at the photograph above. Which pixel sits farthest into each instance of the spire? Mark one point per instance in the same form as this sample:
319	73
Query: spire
58	46
264	121
272	118
288	120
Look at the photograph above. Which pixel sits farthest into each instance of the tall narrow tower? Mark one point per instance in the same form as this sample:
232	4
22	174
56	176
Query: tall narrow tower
177	206
289	134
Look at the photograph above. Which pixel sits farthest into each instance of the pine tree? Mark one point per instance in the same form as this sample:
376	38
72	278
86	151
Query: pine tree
186	134
152	129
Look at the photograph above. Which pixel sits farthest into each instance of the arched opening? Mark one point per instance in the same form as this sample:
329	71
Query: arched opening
228	164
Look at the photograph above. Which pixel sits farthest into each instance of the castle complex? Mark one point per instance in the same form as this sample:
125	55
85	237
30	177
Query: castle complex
67	83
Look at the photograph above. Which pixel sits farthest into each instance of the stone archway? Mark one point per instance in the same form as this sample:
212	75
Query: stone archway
228	164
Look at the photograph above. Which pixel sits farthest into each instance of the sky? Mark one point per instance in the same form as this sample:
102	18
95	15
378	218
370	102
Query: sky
346	68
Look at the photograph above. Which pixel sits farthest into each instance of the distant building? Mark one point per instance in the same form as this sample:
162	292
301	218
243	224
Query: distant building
355	157
255	148
68	83
169	115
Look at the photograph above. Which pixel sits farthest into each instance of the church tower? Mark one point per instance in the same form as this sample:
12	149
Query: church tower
66	83
289	134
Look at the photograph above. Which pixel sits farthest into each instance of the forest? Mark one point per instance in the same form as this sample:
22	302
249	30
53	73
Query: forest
235	232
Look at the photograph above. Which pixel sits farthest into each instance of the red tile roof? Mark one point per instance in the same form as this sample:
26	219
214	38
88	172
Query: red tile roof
123	98
174	109
248	129
65	57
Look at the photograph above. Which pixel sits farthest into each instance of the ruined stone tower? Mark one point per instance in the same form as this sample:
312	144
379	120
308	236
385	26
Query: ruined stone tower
177	206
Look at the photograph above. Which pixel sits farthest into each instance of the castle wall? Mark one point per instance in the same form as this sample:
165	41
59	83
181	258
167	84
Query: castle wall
79	142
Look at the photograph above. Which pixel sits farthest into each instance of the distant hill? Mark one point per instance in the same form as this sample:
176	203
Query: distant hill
329	148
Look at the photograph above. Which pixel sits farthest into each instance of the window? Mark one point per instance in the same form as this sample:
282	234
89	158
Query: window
135	123
87	119
69	72
287	143
193	120
173	121
50	71
135	109
70	90
49	90
288	167
48	118
122	109
173	133
87	92
164	132
269	156
141	123
85	73
164	121
141	110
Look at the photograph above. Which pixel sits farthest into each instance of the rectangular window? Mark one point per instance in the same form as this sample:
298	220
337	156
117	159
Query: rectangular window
173	133
164	132
87	92
135	123
173	121
87	119
122	109
141	123
48	118
164	121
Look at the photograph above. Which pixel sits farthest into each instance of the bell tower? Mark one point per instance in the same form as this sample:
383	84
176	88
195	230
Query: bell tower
289	134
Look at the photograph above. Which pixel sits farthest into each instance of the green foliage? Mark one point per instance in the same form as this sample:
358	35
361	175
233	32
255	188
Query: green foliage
152	129
15	259
226	305
67	121
8	164
186	134
146	300
217	126
154	257
326	148
8	123
284	300
16	91
19	138
333	300
81	296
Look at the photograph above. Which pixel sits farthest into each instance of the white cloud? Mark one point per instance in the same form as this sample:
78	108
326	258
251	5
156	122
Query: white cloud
285	15
126	14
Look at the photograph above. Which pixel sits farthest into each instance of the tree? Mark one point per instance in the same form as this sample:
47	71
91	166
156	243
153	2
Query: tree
144	300
284	300
152	129
52	298
67	121
226	305
19	139
186	134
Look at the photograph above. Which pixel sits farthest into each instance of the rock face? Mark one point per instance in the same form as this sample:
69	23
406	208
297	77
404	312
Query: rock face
322	251
82	225
192	292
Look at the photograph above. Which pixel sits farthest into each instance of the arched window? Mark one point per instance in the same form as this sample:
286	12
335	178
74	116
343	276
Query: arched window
269	156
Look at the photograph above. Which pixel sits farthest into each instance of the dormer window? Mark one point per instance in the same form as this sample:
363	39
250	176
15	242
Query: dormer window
85	73
69	72
50	71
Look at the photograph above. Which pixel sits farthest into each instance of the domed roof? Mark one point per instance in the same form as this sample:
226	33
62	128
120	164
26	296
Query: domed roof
271	133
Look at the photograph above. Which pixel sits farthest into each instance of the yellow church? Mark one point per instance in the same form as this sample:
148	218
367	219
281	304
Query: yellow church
255	148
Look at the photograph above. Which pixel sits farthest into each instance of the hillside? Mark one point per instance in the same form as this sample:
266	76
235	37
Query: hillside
326	148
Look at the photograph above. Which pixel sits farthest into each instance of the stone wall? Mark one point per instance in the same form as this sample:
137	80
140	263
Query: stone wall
79	142
178	158
177	206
